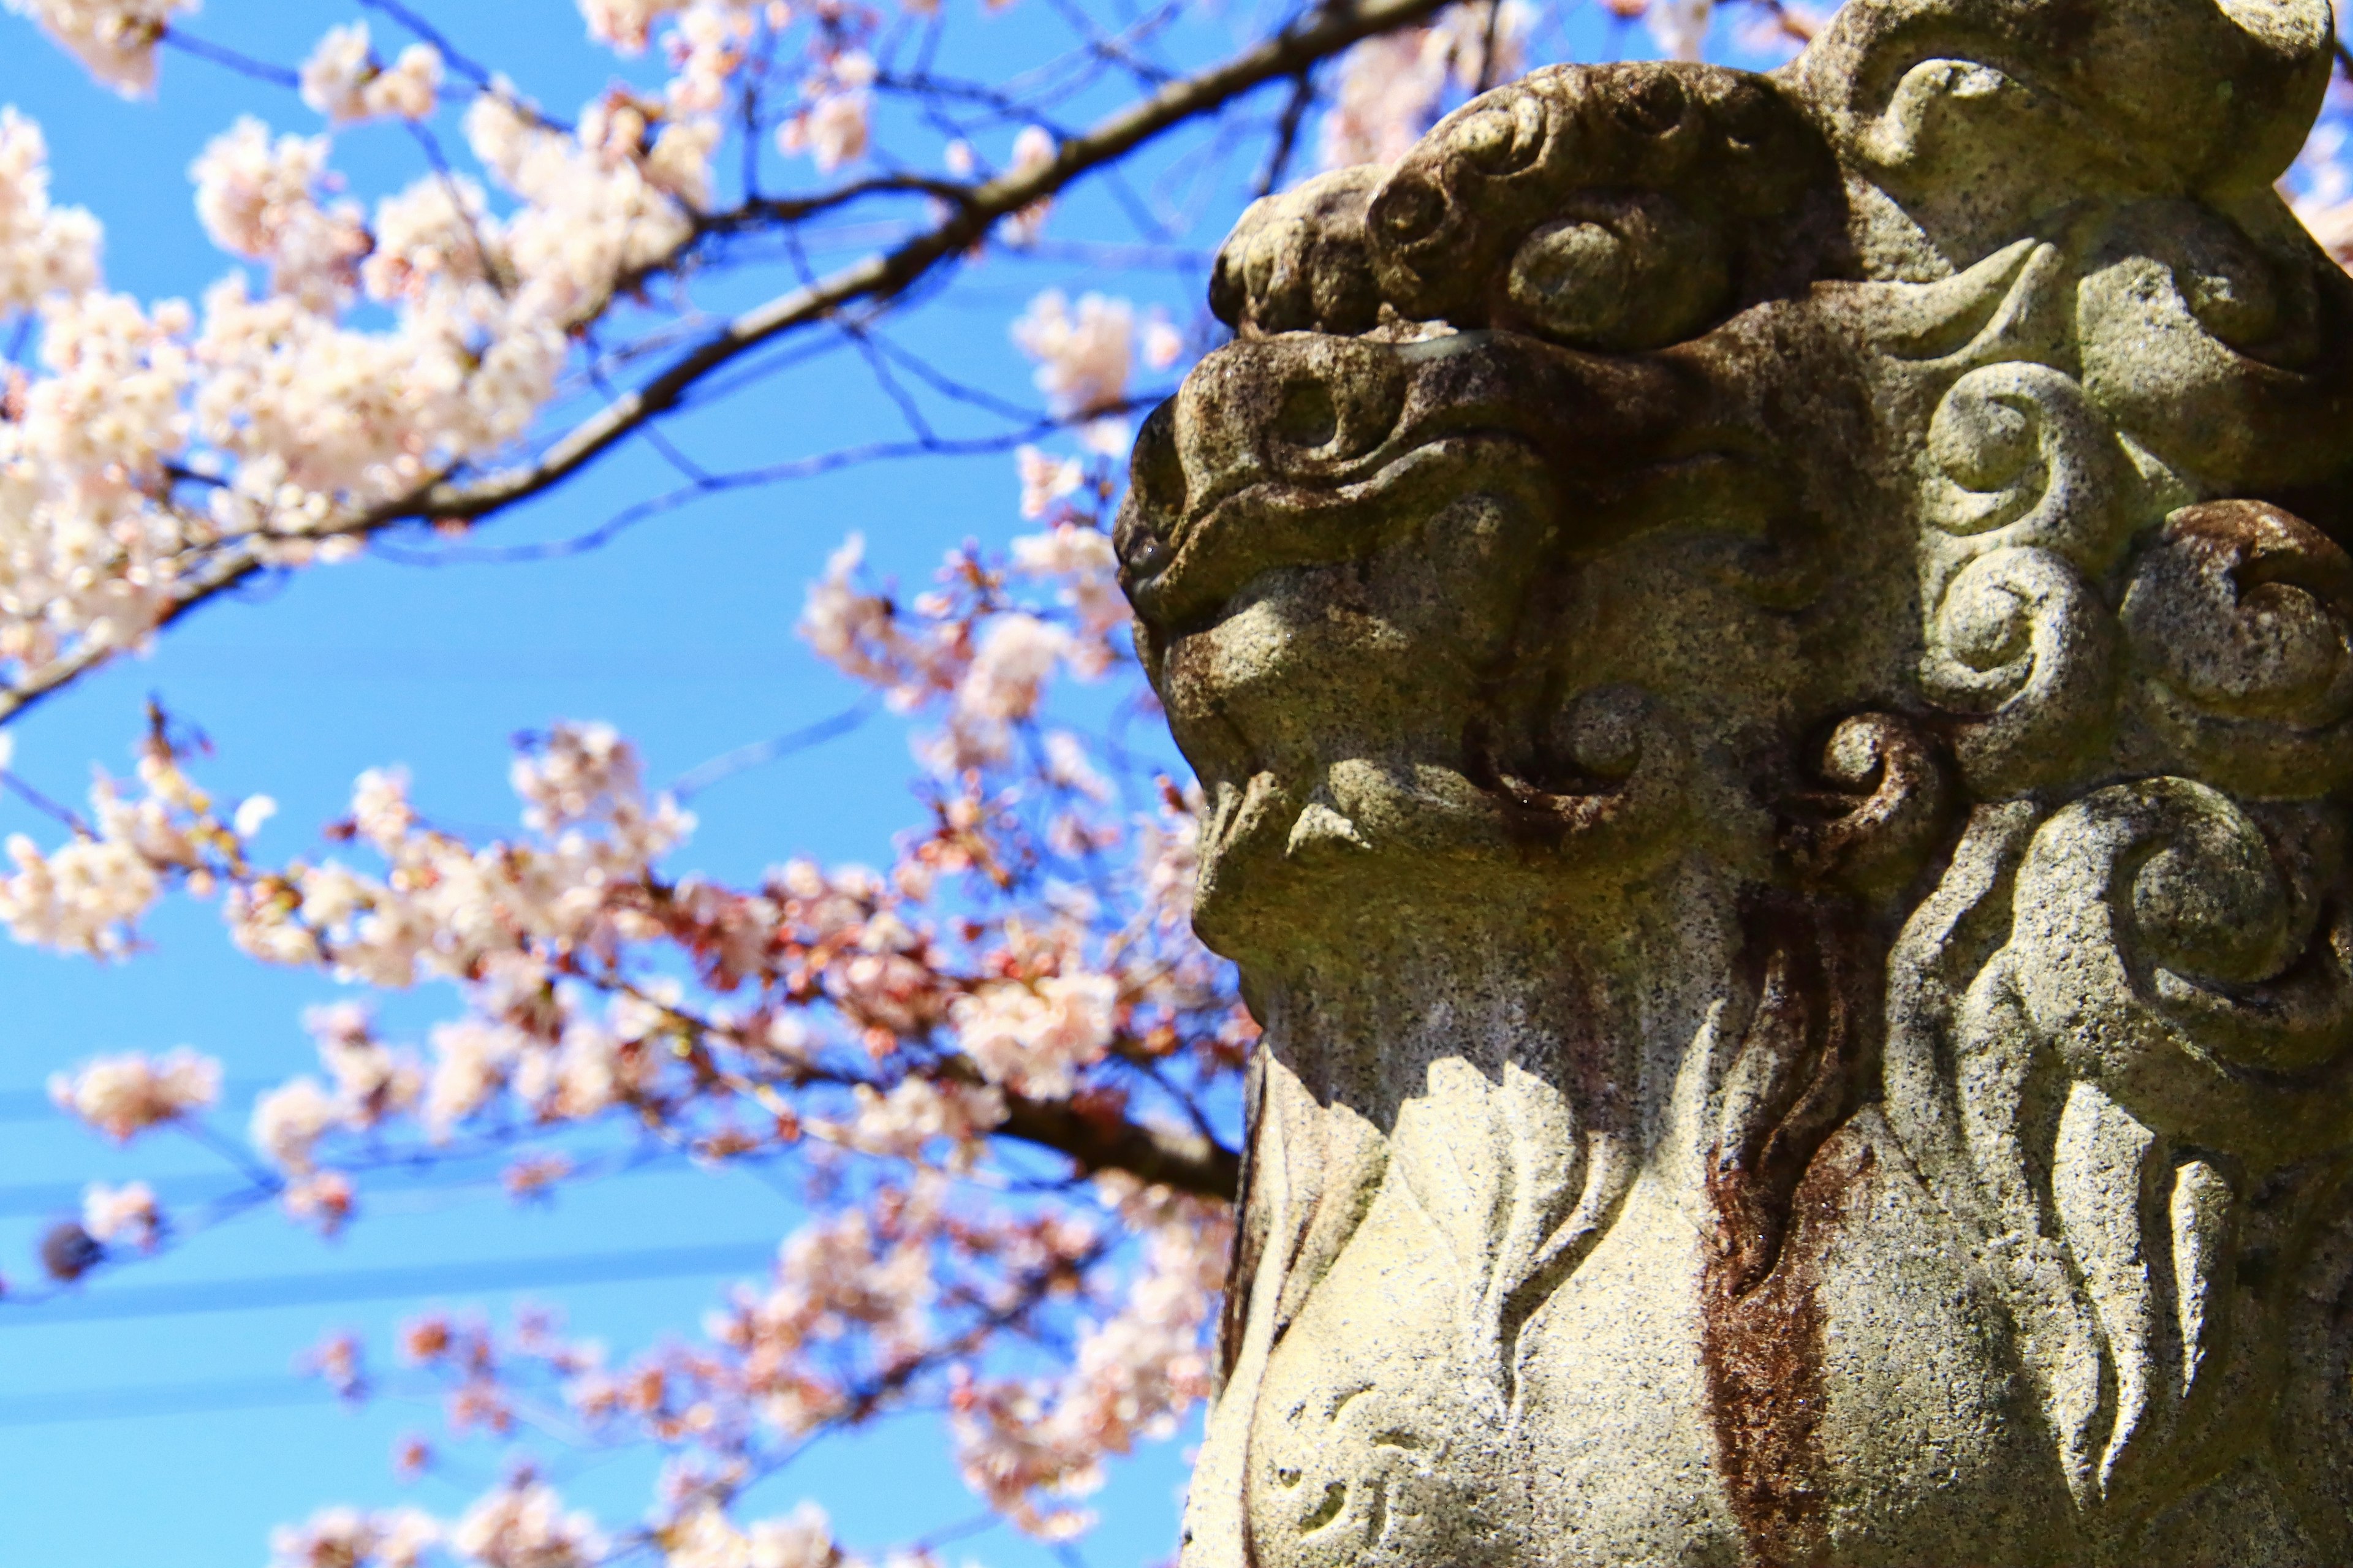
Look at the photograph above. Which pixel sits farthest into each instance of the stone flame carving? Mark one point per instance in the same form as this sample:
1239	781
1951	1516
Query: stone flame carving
1772	659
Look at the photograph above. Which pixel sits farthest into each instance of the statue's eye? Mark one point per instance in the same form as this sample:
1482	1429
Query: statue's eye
1408	207
1500	136
1750	120
1652	104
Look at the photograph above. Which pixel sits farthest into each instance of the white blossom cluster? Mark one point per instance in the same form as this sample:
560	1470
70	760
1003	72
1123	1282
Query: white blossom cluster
351	1538
987	679
387	346
705	1538
150	437
126	1094
125	1215
446	909
1136	1374
114	38
343	80
44	250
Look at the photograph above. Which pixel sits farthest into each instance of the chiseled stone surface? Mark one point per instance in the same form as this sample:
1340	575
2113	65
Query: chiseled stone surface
1771	660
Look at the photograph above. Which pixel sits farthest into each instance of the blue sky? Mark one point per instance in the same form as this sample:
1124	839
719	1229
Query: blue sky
680	633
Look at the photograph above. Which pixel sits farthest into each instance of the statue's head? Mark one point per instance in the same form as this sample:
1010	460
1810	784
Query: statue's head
1574	487
1451	566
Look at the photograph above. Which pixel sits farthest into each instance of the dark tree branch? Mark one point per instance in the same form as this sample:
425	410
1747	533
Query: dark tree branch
1185	1161
1286	134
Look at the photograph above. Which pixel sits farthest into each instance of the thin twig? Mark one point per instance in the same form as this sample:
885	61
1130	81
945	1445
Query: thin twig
1286	134
244	65
628	517
727	764
451	56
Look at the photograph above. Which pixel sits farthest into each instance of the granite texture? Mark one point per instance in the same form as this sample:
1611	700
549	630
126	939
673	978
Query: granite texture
1769	657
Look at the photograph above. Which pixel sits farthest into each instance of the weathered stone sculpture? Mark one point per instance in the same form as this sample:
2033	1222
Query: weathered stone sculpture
1770	659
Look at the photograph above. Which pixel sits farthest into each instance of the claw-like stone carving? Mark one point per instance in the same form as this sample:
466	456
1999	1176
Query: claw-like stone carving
1772	661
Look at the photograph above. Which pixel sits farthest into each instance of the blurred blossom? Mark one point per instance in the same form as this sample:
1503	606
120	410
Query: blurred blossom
258	198
44	250
114	38
1033	1038
1082	355
126	1214
290	1119
1392	86
126	1094
323	1200
343	80
1681	26
351	1538
1045	481
524	1526
1033	149
1164	344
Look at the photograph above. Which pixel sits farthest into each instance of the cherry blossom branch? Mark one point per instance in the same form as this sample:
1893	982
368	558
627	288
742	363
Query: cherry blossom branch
1092	1140
879	279
885	277
244	65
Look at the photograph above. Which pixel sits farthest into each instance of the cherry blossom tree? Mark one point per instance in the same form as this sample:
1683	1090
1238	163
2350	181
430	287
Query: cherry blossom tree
1005	1074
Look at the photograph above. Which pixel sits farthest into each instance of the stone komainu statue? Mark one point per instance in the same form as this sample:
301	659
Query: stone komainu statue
1770	661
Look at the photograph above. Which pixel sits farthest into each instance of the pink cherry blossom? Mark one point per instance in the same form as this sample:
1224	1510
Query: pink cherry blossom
351	1538
259	199
1082	355
126	1214
524	1526
289	1119
1033	149
1035	1038
114	38
343	80
124	1095
45	251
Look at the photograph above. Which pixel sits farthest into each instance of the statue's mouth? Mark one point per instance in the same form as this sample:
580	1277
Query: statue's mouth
1183	568
1310	450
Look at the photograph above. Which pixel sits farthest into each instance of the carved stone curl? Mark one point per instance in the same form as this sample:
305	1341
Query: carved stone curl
1772	661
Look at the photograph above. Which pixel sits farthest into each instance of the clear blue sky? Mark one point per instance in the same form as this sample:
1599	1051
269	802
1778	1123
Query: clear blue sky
680	633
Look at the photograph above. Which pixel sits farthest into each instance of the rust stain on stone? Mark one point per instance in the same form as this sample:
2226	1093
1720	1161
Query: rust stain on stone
1762	1352
1778	1180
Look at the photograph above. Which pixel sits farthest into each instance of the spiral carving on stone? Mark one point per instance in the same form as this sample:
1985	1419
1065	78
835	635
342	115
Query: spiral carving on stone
2166	959
2239	619
2021	458
2023	647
